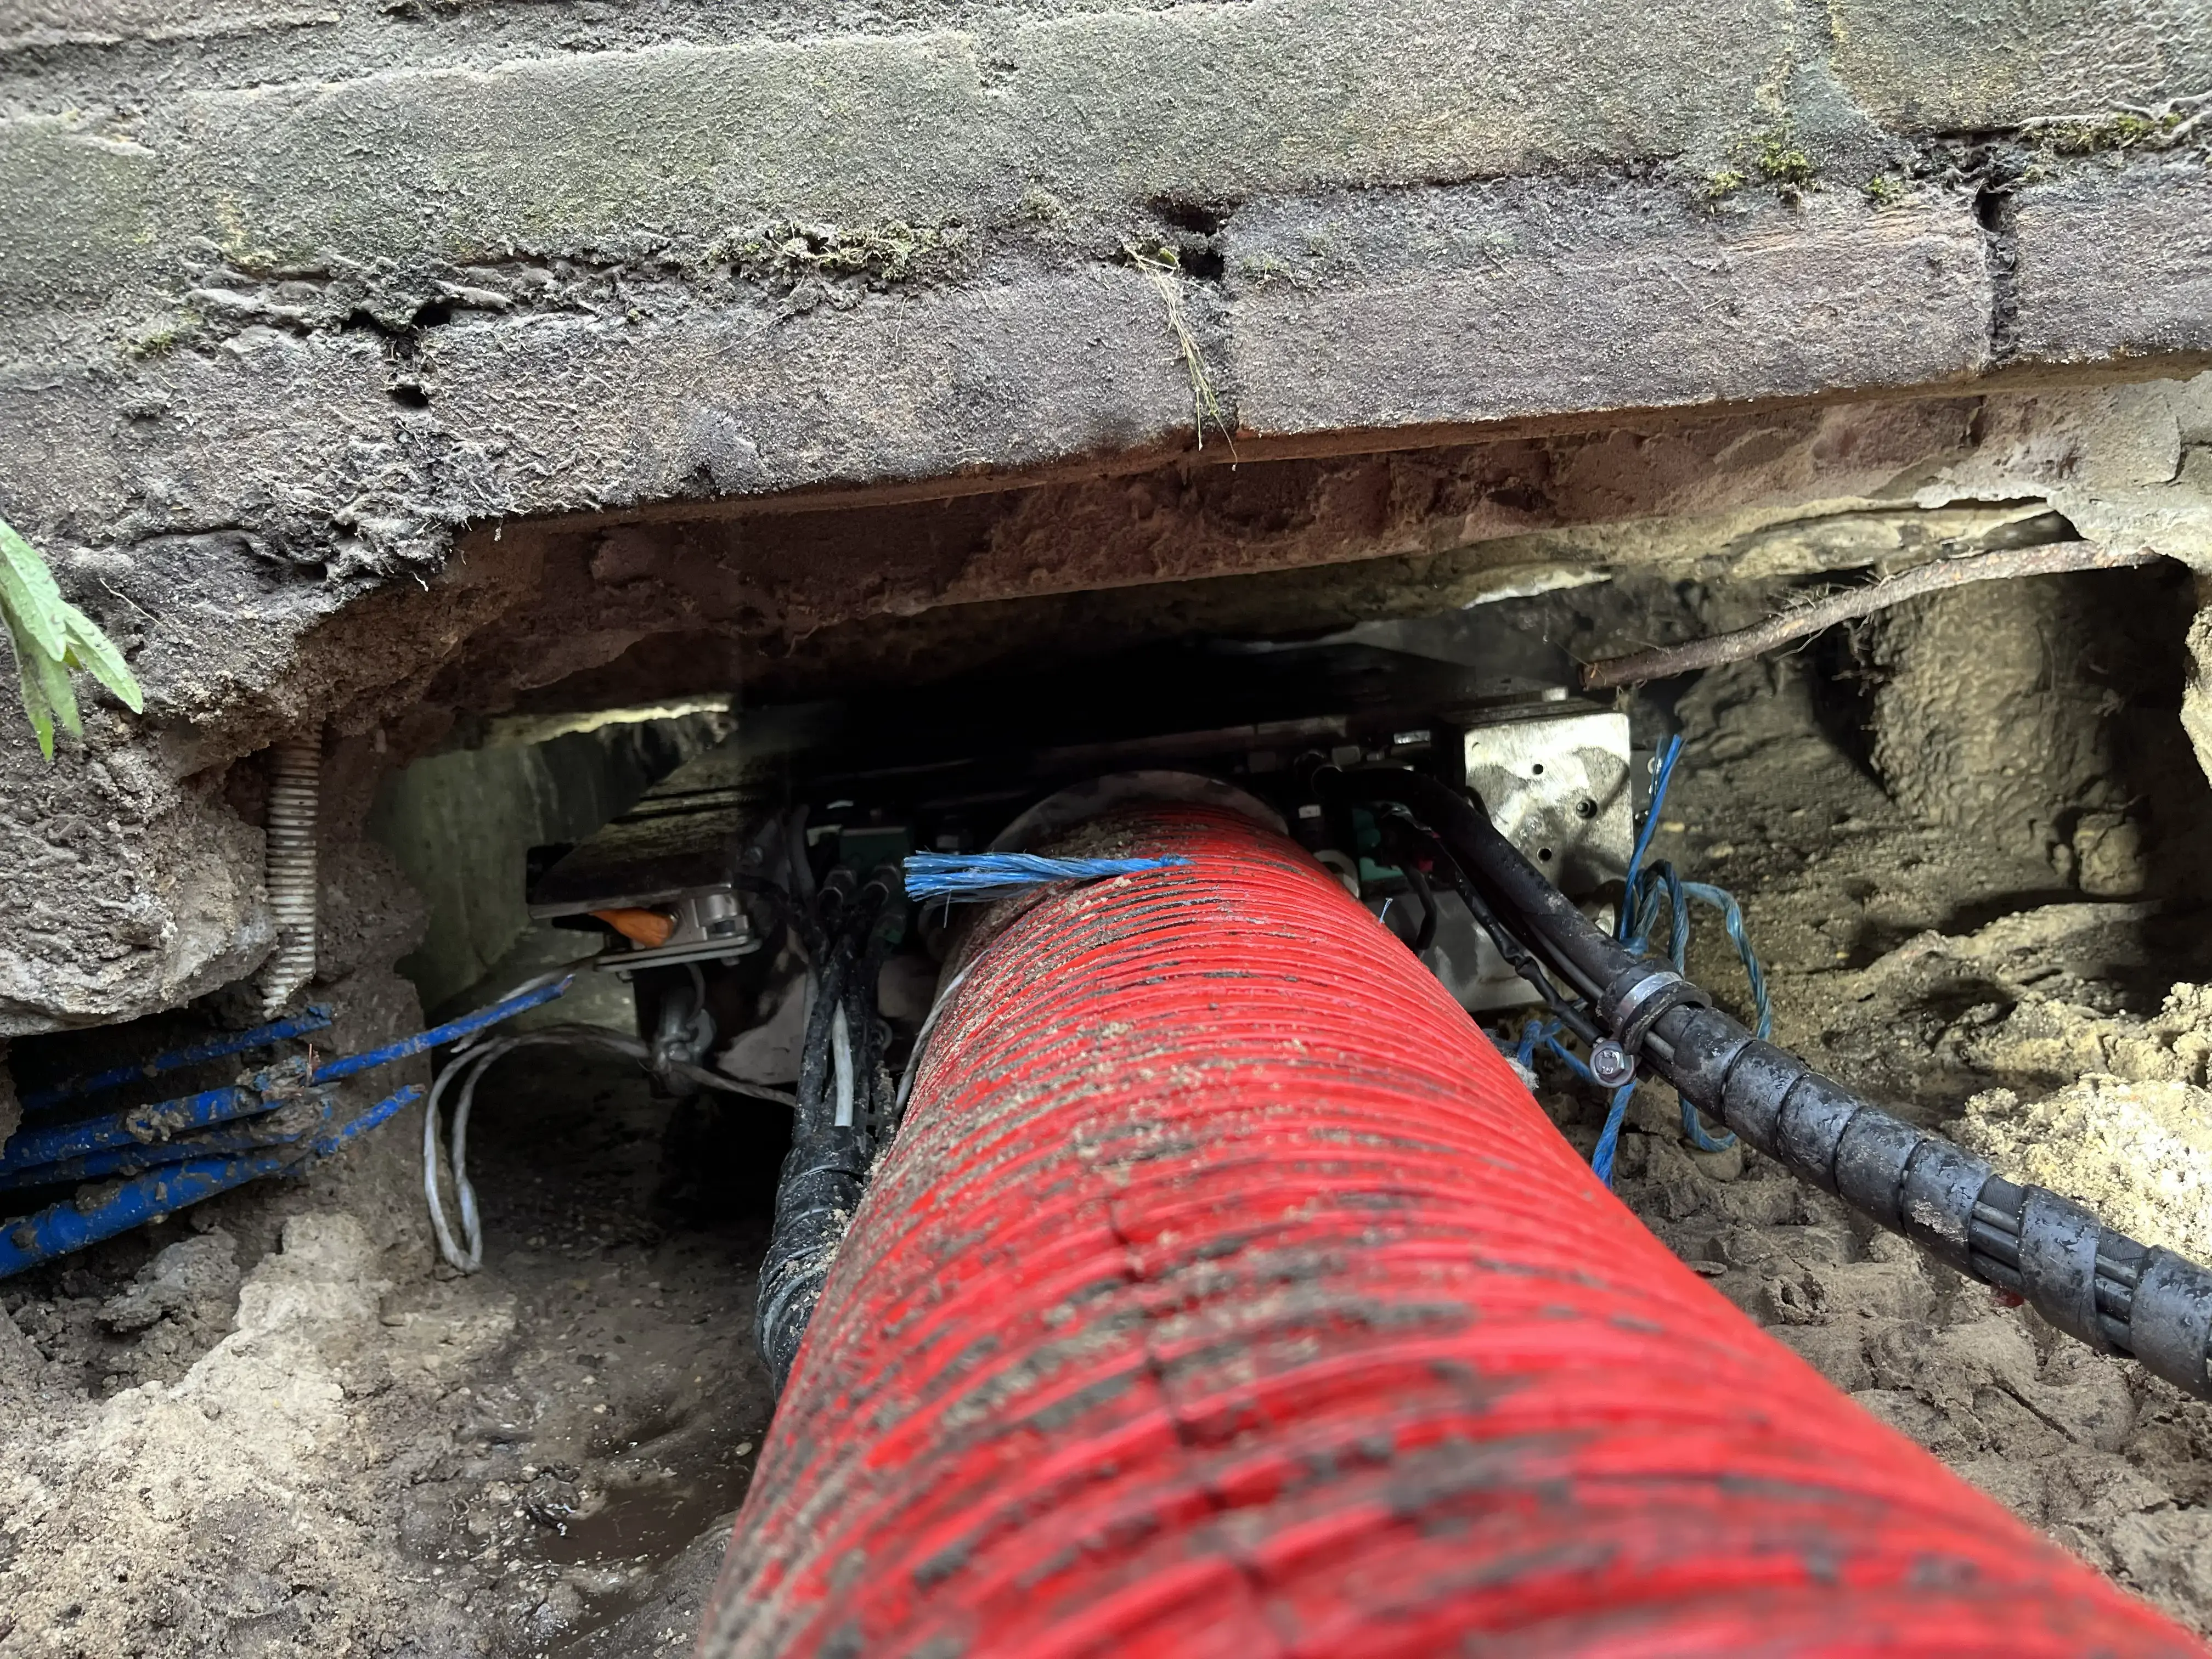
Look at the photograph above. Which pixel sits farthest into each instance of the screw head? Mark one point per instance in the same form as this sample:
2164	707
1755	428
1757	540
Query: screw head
1611	1064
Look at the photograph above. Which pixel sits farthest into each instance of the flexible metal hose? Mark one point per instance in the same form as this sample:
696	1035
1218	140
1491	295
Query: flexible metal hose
296	776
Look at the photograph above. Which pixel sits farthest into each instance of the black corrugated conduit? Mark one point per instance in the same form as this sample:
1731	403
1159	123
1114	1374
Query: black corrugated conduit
844	1099
2116	1294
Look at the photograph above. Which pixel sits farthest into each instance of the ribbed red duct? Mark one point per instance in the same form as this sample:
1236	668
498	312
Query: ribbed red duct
1225	1294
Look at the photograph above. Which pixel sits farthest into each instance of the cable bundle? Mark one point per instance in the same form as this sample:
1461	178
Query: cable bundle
846	1107
1656	892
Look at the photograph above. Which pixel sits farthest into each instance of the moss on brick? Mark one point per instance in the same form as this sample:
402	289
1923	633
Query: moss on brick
1782	161
2100	134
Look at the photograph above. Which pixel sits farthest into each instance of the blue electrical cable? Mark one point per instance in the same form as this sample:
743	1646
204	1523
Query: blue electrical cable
316	1018
73	1223
192	1167
28	1148
437	1035
133	1156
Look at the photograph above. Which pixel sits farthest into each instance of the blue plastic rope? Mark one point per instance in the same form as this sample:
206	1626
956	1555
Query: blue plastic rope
1654	893
980	877
1732	919
1660	777
1608	1138
1616	1111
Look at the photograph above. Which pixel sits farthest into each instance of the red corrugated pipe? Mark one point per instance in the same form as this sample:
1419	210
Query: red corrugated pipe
1226	1295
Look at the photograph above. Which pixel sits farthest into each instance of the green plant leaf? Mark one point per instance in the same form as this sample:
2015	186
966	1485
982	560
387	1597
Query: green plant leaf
60	695
28	592
93	652
34	702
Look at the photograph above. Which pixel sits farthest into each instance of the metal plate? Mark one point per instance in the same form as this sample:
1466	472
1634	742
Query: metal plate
1558	788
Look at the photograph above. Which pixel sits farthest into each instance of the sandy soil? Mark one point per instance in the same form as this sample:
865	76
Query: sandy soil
372	1458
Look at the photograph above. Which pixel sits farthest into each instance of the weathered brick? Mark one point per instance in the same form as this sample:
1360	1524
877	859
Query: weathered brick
1215	103
579	151
1398	311
1970	65
2114	267
26	23
584	152
73	209
560	413
917	385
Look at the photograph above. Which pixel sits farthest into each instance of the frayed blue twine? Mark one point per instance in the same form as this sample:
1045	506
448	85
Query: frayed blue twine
983	876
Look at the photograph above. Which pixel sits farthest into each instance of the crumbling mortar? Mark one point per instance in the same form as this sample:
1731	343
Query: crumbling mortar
1993	212
786	265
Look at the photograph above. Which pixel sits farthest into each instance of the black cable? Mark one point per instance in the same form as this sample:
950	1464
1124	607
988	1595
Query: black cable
1579	953
1417	881
814	1061
872	1083
847	911
788	910
1571	1013
826	1171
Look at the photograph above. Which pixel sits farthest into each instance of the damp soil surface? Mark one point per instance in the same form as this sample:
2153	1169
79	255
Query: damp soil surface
338	1448
273	1426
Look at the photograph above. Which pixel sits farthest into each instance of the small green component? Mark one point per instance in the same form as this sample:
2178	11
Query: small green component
1883	190
863	847
1720	185
1381	877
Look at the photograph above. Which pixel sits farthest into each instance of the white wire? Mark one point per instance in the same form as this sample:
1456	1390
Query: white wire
841	1056
479	1057
921	1039
469	1257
